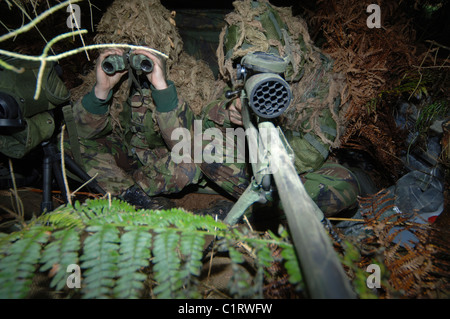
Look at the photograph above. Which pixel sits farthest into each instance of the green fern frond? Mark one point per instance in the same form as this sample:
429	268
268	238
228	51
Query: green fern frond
100	261
166	264
134	255
114	243
18	266
59	254
192	248
240	284
291	265
62	217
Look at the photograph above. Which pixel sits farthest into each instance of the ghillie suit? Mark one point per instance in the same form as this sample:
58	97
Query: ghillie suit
134	22
316	88
313	123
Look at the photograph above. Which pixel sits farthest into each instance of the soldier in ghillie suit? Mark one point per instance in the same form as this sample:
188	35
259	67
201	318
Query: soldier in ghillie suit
315	119
118	130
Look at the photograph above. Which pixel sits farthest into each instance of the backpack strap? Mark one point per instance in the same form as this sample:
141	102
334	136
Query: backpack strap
73	134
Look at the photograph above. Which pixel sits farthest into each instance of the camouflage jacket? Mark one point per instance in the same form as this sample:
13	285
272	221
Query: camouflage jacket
333	188
171	112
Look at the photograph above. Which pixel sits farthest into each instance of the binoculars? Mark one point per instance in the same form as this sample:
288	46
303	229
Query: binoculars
116	63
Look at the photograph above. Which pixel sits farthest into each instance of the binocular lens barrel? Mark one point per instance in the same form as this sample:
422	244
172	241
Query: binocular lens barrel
116	63
113	63
141	62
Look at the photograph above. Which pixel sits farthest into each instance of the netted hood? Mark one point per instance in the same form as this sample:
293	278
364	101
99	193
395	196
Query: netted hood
141	22
258	26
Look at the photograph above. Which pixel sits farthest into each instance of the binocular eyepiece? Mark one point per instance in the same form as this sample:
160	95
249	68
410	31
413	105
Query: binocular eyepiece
116	63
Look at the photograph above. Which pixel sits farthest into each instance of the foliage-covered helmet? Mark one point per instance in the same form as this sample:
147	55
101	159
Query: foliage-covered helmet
141	22
258	26
318	93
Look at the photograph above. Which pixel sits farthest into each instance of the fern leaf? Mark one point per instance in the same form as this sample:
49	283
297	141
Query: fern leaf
166	264
240	283
18	266
62	217
99	261
59	254
192	248
134	254
291	264
264	260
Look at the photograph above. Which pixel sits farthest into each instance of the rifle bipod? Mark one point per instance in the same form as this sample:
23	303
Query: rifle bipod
52	164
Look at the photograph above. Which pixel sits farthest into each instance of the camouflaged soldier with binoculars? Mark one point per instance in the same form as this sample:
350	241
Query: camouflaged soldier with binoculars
136	155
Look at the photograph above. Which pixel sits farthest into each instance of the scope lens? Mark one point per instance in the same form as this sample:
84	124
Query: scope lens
269	94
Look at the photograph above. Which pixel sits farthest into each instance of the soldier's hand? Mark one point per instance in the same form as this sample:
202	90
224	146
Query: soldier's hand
158	76
234	111
105	82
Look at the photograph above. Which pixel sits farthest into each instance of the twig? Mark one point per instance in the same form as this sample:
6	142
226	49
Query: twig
81	36
13	214
248	223
36	20
43	58
421	75
16	194
364	221
431	67
84	184
92	17
24	13
63	168
212	253
437	44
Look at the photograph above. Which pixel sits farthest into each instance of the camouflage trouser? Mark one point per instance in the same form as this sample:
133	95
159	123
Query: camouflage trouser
332	187
152	169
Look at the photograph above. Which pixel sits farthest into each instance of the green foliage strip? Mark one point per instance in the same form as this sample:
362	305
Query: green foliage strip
121	249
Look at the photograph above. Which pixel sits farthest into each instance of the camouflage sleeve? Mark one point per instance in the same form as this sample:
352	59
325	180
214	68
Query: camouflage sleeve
175	114
92	115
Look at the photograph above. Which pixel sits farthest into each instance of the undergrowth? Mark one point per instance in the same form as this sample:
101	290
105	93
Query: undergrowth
124	252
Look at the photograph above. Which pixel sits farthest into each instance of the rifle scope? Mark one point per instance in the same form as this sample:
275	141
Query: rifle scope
268	93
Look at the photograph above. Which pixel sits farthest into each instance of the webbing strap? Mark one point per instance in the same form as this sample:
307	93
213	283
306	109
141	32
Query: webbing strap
315	143
73	134
329	130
